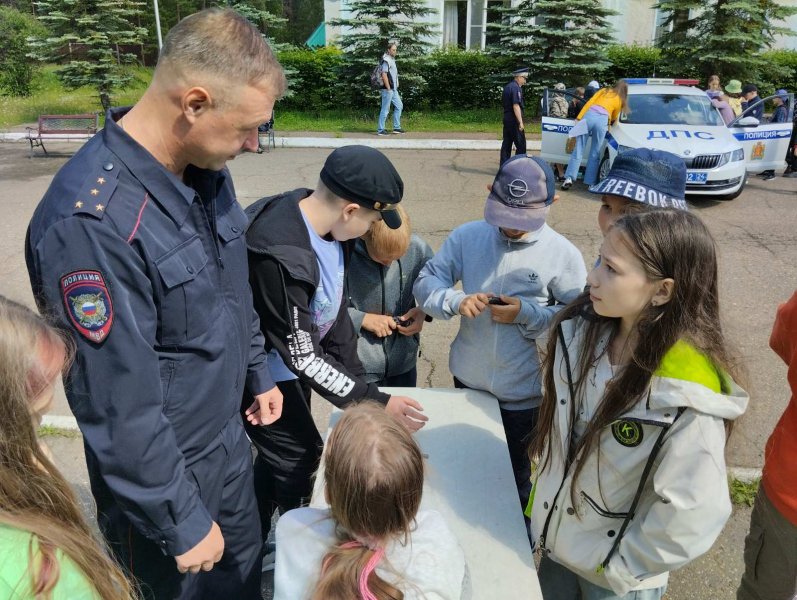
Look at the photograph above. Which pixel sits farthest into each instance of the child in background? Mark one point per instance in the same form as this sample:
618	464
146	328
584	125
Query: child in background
513	258
384	266
734	91
640	179
47	549
602	110
373	543
639	392
714	84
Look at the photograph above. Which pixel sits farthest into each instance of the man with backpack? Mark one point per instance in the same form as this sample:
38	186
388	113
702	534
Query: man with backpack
389	90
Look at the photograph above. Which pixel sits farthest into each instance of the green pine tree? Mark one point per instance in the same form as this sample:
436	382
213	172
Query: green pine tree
558	40
366	30
723	37
90	39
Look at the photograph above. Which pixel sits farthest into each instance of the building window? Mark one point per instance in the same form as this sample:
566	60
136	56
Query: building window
494	16
455	23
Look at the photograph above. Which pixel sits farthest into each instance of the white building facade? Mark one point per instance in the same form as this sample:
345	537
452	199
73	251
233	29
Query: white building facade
463	23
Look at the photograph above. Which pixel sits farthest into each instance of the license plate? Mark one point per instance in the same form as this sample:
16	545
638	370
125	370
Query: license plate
696	177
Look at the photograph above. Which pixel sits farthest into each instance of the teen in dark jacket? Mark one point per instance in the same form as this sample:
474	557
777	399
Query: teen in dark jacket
298	246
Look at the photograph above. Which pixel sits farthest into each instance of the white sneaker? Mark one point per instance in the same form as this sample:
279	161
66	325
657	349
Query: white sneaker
567	183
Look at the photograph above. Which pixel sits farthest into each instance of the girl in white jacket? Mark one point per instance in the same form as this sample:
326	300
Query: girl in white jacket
638	396
373	543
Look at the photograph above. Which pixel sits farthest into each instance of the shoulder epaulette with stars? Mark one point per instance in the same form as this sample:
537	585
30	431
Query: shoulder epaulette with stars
97	190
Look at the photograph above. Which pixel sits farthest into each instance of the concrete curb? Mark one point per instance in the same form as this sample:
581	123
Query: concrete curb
746	474
382	143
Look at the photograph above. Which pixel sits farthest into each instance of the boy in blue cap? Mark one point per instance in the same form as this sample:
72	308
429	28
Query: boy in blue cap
641	179
514	269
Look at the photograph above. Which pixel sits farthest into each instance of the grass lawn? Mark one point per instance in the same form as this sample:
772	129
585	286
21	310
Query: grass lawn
50	97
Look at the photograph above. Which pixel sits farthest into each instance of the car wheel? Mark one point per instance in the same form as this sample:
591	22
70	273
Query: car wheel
737	193
604	167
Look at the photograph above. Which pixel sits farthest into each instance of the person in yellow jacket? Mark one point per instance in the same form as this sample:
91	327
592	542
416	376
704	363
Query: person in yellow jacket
603	109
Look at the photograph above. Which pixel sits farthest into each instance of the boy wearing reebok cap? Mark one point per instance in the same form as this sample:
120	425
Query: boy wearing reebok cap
299	245
511	257
641	179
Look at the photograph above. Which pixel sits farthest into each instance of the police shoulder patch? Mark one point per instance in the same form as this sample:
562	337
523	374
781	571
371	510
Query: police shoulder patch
627	433
88	303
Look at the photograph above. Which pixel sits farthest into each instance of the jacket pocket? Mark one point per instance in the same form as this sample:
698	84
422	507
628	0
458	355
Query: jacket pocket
186	305
600	510
167	368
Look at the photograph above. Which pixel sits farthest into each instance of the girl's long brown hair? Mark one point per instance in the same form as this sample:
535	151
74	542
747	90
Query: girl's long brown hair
669	243
34	496
621	89
374	481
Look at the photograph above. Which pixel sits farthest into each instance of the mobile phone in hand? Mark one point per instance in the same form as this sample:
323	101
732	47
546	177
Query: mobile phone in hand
497	301
405	323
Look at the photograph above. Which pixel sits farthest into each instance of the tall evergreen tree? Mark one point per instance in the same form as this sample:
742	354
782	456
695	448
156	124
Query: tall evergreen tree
365	32
723	37
91	40
559	40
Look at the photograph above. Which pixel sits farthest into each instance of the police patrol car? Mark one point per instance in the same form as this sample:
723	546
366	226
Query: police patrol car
673	115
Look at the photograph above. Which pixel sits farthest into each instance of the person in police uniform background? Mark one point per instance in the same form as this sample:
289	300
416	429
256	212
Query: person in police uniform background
514	131
137	248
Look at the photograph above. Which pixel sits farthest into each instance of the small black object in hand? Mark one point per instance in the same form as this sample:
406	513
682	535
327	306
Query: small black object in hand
405	323
497	301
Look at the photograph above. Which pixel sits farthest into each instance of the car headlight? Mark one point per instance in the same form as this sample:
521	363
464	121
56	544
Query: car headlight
621	148
733	156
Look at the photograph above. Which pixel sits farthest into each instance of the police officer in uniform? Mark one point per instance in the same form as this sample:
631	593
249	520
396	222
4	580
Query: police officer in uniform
514	131
137	249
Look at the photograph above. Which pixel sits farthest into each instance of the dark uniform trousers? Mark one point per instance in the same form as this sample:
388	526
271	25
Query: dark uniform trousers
231	504
288	454
512	135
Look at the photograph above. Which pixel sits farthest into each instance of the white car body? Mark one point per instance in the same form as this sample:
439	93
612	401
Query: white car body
717	157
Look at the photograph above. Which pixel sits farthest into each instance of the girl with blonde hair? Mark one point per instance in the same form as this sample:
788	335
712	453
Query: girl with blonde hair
373	542
47	550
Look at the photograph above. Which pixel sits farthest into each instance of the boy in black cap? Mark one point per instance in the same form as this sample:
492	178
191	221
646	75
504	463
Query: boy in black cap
514	130
299	244
752	99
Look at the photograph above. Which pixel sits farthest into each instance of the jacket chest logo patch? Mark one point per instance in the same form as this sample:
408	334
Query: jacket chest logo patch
88	304
627	433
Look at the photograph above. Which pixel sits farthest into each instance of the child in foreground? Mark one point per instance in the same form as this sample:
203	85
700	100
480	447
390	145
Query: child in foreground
372	543
639	394
46	546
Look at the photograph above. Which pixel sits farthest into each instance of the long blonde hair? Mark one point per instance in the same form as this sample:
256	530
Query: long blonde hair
374	481
34	496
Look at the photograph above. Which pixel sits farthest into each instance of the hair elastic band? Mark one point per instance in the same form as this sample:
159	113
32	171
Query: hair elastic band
379	553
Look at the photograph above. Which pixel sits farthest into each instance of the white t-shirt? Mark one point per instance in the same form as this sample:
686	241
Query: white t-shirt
431	566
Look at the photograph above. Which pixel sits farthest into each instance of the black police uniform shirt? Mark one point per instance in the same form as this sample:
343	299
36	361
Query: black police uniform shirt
151	275
513	94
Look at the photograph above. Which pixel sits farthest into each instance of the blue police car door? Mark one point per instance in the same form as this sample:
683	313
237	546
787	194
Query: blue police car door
765	144
554	132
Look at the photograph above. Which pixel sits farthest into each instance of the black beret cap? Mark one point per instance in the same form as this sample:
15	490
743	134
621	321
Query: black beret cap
366	176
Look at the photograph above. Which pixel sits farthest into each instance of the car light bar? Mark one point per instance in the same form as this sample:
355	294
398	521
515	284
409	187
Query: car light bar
660	81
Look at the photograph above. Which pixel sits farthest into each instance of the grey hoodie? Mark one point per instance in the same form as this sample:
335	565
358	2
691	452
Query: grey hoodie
541	268
381	290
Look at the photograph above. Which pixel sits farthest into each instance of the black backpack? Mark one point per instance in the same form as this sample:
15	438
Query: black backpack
376	77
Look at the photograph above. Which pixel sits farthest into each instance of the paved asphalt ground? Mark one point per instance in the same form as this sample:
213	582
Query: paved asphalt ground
756	235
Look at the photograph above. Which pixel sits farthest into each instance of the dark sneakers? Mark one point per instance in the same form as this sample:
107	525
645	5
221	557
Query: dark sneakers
399	130
381	132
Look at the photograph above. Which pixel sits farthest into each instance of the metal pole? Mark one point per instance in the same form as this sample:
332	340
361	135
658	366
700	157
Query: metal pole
158	24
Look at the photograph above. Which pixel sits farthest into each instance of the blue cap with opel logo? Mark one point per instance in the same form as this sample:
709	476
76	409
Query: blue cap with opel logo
522	191
653	177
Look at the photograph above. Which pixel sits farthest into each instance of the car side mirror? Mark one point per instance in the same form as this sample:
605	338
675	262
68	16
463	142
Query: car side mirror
747	122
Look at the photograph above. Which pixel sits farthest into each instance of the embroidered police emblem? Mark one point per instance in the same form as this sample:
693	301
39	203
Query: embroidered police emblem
88	304
627	433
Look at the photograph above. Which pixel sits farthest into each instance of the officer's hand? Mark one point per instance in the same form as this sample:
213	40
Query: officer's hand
521	127
266	408
379	325
508	313
472	306
204	555
417	316
406	411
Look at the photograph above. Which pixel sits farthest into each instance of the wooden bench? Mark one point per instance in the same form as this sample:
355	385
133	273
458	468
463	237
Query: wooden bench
55	127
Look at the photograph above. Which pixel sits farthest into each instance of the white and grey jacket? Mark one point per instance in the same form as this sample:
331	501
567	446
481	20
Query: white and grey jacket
684	501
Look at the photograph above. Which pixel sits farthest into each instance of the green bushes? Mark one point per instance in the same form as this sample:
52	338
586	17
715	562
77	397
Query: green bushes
780	72
16	69
314	78
464	79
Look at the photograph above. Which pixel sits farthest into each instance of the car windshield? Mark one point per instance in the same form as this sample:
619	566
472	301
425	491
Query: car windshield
670	109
